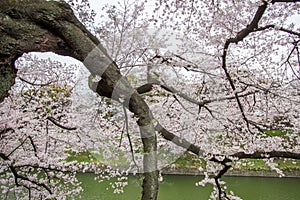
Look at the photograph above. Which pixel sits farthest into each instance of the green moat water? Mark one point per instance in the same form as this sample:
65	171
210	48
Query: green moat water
176	187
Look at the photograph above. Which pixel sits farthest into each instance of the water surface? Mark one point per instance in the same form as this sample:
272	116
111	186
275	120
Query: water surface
183	188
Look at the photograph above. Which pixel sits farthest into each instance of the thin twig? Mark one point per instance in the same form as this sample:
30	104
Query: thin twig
128	136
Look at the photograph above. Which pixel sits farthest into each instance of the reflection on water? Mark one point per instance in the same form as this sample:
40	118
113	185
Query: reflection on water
183	188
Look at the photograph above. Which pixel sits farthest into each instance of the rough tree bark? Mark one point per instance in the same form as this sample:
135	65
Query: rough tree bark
43	26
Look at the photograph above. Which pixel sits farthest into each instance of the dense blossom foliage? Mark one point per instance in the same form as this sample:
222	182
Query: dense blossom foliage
223	76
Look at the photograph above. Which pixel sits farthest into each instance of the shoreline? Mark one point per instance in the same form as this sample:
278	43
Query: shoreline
193	171
233	173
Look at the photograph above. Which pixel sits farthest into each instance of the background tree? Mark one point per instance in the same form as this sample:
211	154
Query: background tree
32	146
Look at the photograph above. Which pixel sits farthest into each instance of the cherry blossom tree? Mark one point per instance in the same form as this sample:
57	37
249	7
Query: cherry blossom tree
253	56
228	91
32	151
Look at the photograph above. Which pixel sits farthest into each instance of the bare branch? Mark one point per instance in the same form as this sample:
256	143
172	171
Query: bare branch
35	84
21	144
217	177
179	141
54	121
280	29
149	86
239	37
128	136
17	176
241	155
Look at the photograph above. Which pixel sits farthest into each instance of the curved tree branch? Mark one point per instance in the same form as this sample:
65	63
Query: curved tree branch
54	121
251	27
241	155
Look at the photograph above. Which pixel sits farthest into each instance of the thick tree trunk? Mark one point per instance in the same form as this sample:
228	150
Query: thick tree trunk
34	25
